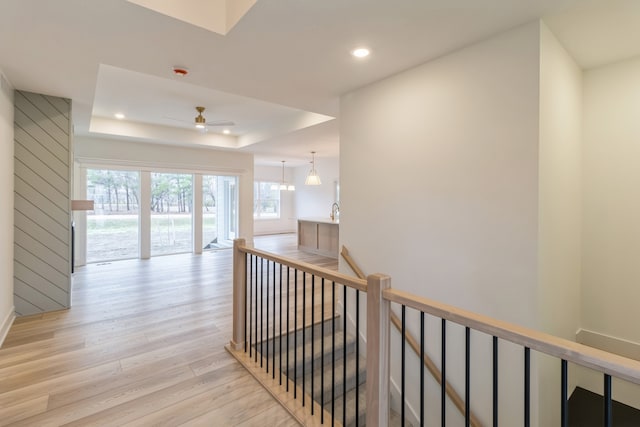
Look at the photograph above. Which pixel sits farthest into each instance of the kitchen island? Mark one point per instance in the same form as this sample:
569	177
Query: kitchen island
319	236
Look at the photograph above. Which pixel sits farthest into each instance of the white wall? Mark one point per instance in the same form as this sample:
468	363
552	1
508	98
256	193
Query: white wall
612	200
141	156
559	210
287	221
440	189
314	201
611	207
6	207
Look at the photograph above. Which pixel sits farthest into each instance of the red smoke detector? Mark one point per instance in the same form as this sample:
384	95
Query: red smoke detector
180	71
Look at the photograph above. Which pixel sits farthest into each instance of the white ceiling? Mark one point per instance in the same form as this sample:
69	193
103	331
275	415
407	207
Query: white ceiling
281	68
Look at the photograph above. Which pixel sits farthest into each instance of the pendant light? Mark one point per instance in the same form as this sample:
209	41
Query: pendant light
313	178
283	185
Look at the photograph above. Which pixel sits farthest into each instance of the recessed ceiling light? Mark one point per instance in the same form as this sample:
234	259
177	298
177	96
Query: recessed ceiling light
119	116
361	52
226	131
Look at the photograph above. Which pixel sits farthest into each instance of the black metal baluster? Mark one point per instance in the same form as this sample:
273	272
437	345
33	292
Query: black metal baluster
288	292
422	369
608	409
266	322
443	386
261	309
304	320
273	345
280	320
527	386
322	356
357	354
250	304
246	302
295	333
564	395
344	355
333	351
467	380
402	364
255	350
313	309
495	381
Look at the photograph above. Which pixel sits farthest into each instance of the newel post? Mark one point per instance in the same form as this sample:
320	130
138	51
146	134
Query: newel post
377	351
239	294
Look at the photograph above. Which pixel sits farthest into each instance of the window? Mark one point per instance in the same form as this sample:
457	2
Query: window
266	200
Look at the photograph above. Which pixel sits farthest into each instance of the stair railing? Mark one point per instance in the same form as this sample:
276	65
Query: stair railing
249	273
279	303
413	343
609	365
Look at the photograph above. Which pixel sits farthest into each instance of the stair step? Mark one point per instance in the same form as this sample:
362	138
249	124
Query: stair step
351	406
338	378
299	363
296	369
394	417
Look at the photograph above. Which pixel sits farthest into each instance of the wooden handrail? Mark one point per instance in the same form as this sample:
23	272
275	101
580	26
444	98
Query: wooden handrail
431	366
599	360
327	274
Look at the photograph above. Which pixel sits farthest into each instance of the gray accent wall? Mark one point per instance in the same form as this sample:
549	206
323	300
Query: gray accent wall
42	230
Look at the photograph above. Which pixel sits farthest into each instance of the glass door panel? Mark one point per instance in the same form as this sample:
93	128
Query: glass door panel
171	213
219	211
112	227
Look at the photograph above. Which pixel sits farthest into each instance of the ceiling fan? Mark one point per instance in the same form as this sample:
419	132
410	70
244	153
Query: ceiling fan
201	123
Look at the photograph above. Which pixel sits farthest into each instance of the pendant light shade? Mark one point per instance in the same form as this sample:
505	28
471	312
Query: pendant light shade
283	185
313	178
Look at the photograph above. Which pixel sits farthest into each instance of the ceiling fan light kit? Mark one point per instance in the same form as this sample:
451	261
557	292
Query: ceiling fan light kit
201	122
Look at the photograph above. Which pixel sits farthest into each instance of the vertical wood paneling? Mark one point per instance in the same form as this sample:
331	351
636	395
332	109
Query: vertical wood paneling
42	235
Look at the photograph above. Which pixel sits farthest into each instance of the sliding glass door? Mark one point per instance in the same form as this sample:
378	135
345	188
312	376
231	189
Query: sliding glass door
219	211
117	229
112	227
171	213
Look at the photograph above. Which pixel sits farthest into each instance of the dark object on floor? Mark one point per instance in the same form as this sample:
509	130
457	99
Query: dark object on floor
586	409
212	244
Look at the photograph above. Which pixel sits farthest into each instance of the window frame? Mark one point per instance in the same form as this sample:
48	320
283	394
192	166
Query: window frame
258	198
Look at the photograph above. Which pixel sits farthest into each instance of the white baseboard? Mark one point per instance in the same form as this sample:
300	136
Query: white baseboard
6	324
608	343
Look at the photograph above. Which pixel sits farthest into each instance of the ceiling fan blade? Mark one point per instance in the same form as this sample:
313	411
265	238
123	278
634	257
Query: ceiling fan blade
177	120
221	123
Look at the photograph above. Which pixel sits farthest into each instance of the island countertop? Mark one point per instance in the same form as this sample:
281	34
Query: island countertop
319	235
320	219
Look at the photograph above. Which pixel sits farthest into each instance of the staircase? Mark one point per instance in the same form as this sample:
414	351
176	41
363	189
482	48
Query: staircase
329	384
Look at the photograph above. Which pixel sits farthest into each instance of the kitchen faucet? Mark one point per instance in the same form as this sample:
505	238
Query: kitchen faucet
335	211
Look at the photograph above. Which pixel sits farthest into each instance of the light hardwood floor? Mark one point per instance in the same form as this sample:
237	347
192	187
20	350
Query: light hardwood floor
143	345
